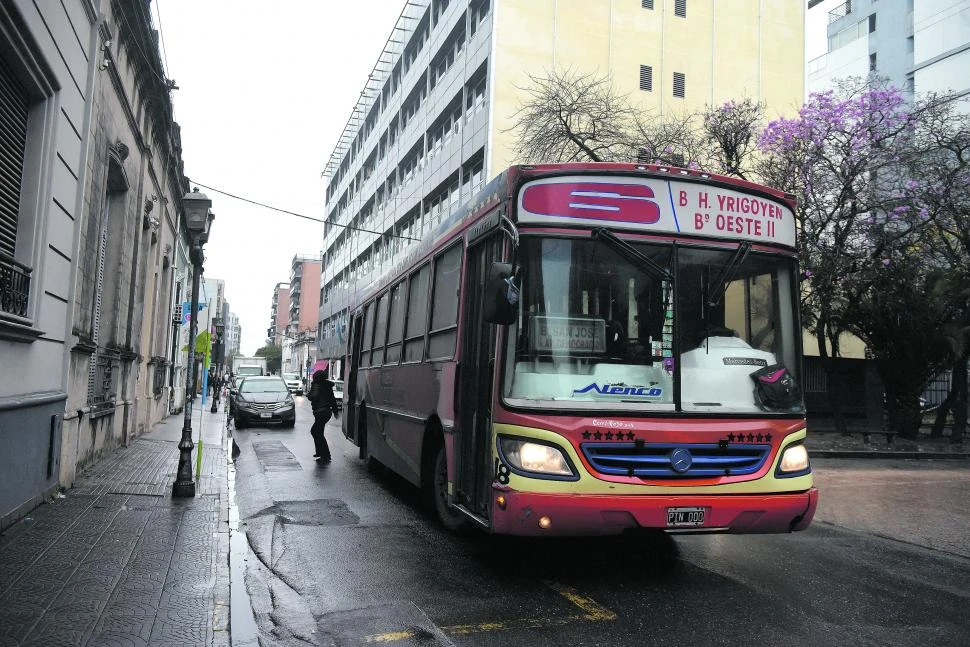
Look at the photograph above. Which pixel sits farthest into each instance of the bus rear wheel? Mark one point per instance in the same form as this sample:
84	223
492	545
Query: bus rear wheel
450	518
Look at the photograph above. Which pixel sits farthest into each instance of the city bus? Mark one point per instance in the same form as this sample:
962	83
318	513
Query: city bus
586	349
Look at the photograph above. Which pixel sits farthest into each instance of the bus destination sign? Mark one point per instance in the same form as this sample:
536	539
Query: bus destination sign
568	335
658	205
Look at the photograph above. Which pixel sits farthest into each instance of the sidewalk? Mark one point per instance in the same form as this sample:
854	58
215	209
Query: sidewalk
824	442
117	560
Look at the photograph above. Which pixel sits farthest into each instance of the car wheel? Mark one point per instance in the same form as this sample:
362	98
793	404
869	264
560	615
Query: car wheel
289	424
239	423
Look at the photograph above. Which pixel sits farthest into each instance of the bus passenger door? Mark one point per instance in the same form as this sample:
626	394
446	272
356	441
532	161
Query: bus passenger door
474	398
352	425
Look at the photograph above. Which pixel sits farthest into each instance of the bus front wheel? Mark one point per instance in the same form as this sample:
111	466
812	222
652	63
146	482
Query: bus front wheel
450	518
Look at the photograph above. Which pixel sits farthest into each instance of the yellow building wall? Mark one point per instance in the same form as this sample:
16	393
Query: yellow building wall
850	346
732	49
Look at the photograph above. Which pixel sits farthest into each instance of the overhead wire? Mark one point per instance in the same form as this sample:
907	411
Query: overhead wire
300	215
161	35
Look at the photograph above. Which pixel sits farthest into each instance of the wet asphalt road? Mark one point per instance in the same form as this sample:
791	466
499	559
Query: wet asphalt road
336	555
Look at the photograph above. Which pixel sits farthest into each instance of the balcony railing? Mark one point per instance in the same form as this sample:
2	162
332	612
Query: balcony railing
841	11
14	286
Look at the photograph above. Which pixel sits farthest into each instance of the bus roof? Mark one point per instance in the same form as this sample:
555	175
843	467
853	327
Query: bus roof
503	187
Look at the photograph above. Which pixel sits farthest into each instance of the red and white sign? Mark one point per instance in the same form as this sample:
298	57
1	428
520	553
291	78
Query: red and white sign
657	205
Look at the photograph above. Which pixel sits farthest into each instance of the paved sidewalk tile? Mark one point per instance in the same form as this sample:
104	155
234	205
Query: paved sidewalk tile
118	561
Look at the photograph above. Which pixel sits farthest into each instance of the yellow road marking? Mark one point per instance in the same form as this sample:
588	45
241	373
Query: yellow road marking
592	612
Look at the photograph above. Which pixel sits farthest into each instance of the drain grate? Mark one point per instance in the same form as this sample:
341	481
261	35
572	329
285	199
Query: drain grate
274	456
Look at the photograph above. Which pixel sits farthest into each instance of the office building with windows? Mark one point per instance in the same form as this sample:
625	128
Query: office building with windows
920	46
434	119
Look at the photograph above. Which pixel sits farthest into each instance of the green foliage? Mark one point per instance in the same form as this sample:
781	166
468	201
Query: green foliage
274	357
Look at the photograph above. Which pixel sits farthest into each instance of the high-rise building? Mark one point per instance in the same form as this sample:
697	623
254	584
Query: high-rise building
435	117
279	315
920	46
233	335
304	313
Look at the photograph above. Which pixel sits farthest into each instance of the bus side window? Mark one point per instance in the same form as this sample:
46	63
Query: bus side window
417	315
380	331
395	324
368	335
444	304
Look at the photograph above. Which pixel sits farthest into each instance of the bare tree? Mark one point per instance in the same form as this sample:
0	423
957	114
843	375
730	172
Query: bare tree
675	141
573	117
730	135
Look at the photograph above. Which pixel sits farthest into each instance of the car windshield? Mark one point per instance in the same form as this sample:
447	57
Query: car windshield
601	324
338	385
293	377
262	385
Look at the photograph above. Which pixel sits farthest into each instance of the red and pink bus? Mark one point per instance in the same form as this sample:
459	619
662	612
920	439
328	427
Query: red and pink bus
589	348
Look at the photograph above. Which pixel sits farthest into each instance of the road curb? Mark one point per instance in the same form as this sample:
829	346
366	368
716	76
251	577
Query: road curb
850	453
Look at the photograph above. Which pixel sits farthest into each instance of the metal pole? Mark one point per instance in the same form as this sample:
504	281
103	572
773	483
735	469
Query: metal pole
184	486
176	325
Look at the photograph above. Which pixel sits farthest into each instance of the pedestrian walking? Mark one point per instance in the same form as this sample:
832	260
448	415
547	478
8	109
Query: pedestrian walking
324	405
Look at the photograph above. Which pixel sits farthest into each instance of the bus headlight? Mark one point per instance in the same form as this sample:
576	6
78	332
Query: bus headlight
795	459
537	458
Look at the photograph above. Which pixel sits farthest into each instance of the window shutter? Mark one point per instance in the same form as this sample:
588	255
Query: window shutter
13	142
679	84
646	78
680	8
646	4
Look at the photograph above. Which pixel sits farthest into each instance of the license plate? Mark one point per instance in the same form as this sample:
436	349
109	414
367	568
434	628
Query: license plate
685	517
265	414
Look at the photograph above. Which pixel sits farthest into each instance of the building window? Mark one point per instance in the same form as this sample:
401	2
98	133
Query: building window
872	62
680	83
14	106
646	4
646	78
680	8
872	23
476	16
26	118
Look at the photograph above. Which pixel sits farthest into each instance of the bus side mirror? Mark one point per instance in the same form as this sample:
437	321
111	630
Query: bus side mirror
501	295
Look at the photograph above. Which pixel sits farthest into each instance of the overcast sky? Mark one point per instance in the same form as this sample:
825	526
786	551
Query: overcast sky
264	92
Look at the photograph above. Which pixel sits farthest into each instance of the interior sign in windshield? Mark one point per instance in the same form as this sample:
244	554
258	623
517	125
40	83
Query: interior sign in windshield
554	335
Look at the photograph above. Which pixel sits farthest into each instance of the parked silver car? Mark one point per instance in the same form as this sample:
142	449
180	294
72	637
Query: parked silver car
293	383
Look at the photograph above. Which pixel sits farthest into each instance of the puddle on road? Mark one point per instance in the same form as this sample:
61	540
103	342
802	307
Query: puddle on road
242	622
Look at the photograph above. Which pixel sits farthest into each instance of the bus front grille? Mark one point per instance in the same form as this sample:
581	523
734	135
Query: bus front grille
675	460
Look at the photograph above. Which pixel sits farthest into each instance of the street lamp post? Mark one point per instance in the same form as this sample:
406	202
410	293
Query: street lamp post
198	220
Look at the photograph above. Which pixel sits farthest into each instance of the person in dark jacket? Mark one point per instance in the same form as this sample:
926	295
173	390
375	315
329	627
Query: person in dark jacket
324	405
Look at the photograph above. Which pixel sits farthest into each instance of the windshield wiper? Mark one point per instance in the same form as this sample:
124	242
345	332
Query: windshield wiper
719	286
632	253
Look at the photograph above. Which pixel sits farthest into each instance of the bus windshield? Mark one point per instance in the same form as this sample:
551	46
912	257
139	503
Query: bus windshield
598	320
